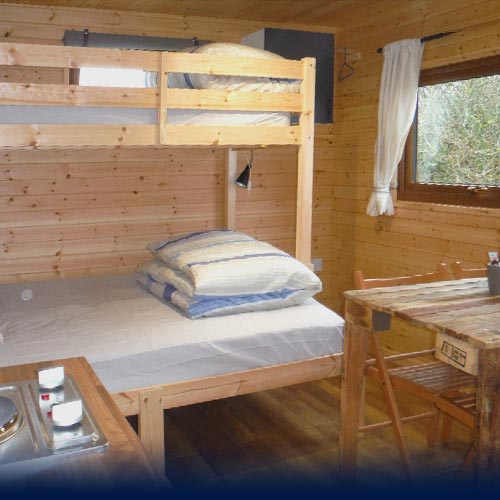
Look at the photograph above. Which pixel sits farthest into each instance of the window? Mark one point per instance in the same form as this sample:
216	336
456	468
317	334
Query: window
112	77
452	154
115	77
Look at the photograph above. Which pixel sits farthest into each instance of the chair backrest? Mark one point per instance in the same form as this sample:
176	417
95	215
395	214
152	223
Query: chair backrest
461	272
362	283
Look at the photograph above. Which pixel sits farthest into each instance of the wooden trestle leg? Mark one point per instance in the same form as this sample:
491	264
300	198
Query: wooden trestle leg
353	367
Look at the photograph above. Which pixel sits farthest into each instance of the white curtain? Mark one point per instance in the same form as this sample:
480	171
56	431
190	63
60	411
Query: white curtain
396	109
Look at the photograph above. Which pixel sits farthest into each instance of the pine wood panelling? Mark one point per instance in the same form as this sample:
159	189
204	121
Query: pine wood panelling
65	216
128	198
62	215
134	184
14	30
56	20
21	235
279	11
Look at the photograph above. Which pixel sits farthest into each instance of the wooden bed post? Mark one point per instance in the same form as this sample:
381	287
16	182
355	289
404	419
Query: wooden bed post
230	189
305	167
151	426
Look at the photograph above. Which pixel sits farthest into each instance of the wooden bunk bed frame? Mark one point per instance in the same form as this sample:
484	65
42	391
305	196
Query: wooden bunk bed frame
149	402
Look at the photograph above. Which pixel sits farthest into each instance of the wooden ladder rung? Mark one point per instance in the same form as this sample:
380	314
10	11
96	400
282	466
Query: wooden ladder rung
385	423
404	355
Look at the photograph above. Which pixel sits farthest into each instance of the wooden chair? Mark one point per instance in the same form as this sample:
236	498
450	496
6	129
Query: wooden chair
461	272
460	406
425	380
362	283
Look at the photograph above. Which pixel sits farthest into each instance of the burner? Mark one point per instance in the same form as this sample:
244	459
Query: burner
10	419
26	416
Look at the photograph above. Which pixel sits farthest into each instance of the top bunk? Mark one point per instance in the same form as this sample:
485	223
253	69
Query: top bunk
37	115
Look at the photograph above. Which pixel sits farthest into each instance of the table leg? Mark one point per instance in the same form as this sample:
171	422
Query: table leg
353	372
487	442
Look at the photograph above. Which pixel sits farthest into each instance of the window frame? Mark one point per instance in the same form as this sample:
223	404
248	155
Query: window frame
463	195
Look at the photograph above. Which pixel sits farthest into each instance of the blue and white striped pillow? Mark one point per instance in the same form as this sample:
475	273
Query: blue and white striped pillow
160	272
218	306
226	263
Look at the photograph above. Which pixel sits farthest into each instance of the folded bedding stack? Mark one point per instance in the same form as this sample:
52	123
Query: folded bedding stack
212	273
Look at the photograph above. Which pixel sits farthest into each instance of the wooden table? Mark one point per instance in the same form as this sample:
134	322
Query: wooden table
123	464
466	320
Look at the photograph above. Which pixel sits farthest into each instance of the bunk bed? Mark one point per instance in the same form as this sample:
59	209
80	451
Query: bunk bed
150	400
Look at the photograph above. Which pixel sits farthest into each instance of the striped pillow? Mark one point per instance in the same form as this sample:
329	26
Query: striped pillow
219	306
160	272
226	263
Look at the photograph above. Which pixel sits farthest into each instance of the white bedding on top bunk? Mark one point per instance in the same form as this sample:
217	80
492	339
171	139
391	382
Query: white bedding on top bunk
132	339
228	82
62	115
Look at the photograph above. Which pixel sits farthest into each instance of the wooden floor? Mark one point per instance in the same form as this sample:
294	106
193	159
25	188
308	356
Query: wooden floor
290	435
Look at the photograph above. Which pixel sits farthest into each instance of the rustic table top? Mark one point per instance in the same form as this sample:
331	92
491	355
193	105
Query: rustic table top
463	309
123	464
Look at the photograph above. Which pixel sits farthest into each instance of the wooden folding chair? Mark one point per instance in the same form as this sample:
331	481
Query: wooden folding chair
460	406
461	272
425	380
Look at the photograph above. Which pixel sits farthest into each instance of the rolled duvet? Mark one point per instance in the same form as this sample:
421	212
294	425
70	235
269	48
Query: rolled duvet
225	82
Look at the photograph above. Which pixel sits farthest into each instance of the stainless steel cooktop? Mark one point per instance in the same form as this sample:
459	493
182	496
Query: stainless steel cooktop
31	435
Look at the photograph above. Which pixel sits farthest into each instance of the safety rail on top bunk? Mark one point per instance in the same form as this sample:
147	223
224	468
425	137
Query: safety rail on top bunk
161	98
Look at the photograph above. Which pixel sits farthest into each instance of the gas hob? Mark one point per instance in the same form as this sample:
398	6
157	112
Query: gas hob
39	426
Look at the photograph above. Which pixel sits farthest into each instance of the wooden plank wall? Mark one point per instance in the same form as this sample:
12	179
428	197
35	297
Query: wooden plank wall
72	213
420	235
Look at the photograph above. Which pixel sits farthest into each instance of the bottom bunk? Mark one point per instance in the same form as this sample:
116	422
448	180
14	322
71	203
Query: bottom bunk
150	357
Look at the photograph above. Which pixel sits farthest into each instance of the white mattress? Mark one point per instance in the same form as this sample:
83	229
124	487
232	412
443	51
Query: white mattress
62	115
133	339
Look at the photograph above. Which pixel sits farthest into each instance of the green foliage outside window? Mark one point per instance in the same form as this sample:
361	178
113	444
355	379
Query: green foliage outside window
458	134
